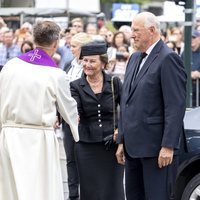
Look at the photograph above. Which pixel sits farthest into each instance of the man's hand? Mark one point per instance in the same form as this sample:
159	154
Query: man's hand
120	154
195	75
56	124
165	157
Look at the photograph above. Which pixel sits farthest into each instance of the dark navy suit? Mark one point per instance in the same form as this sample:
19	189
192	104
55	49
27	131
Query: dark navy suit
152	111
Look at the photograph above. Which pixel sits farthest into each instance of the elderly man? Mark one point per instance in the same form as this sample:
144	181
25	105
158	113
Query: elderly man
152	111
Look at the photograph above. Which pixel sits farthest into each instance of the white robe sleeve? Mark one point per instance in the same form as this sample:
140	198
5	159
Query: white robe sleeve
67	106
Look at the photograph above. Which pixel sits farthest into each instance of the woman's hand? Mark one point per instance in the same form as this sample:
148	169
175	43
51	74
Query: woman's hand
115	135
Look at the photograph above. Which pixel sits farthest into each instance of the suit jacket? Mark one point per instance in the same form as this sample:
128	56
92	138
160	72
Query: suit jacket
152	112
96	113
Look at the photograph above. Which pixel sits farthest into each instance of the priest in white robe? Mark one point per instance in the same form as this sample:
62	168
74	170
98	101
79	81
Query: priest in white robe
32	89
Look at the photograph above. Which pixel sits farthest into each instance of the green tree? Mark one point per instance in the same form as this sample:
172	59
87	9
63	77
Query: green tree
125	1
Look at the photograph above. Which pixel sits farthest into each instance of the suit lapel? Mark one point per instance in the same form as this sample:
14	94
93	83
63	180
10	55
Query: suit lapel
152	56
107	84
87	89
132	63
142	72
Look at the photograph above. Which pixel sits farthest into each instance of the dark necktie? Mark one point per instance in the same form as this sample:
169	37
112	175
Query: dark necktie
142	56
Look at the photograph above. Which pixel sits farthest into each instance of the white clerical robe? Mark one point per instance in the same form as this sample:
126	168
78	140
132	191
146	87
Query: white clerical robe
29	151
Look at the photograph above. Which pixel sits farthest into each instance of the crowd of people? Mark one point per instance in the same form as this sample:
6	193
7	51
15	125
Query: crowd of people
120	97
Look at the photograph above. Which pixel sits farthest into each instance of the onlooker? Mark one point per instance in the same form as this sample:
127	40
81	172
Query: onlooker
32	89
100	20
152	108
118	67
101	177
78	24
103	32
127	32
8	50
2	31
109	38
23	34
27	46
2	23
195	67
65	51
91	29
119	39
177	37
172	45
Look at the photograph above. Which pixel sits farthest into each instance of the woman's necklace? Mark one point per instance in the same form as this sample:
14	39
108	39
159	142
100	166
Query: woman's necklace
96	84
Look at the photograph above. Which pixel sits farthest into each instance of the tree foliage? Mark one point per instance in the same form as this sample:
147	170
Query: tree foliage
125	1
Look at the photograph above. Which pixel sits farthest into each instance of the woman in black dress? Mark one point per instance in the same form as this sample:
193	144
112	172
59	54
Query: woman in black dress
101	177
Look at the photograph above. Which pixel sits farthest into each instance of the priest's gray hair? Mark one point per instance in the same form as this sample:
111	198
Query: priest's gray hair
46	32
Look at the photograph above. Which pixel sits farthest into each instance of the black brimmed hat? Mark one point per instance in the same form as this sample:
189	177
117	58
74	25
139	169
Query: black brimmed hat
93	48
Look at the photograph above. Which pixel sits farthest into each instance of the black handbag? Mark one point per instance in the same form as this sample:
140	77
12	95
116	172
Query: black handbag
108	140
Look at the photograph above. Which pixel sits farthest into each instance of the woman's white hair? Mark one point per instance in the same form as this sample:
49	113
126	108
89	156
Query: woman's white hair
82	38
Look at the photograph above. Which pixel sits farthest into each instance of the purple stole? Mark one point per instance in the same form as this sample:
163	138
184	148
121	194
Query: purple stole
38	57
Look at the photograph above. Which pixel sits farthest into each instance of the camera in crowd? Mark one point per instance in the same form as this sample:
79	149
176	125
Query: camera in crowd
120	56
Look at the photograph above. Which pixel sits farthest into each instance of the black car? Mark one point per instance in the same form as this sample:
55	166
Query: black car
188	177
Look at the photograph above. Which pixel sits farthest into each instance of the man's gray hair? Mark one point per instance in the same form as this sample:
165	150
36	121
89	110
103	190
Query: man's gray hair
151	20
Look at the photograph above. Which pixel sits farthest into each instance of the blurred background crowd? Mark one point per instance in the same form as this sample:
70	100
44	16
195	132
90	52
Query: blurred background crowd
15	41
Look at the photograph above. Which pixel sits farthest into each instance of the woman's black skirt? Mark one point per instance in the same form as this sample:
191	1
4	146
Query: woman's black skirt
101	177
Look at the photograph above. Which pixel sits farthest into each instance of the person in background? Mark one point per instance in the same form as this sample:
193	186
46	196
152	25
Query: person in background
151	114
2	31
103	31
27	46
78	24
101	177
23	34
109	38
8	49
177	37
74	71
195	67
3	28
195	70
118	68
127	32
101	18
2	23
91	29
75	46
171	45
64	51
119	39
32	89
